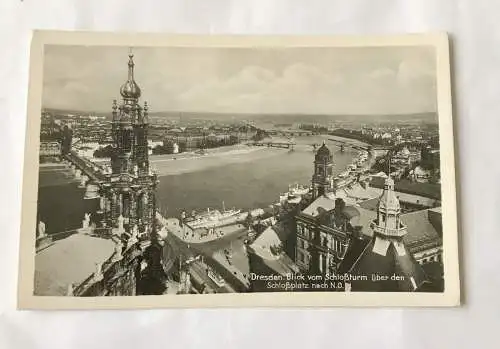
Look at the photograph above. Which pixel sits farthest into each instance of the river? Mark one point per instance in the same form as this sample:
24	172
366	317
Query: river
245	180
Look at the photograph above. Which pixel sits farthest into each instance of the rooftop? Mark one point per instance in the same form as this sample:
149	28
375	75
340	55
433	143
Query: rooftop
69	261
394	260
420	228
359	192
428	190
262	245
320	205
364	220
370	205
403	198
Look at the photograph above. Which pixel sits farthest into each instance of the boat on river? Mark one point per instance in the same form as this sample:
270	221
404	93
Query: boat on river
298	190
216	278
213	218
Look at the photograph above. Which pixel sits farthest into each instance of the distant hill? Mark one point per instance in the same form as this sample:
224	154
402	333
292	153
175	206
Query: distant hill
272	118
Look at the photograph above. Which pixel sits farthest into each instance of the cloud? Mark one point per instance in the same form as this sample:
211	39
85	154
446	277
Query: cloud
409	72
260	90
248	81
303	88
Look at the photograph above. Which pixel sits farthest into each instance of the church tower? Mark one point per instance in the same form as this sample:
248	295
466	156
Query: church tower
129	198
386	255
322	180
387	225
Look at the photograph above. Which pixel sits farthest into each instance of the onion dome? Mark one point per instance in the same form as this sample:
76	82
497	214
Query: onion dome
323	153
130	89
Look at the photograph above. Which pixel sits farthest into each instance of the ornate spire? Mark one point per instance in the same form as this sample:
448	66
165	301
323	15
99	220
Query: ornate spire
131	65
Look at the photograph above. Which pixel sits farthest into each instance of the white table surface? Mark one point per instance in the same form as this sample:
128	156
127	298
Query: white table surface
475	28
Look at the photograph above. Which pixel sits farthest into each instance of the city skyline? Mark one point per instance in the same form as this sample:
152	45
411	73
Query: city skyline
326	81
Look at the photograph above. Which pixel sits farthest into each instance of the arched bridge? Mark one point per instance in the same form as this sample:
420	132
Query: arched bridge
348	144
87	170
276	144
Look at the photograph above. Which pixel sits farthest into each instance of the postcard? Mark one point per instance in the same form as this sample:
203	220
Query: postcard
238	171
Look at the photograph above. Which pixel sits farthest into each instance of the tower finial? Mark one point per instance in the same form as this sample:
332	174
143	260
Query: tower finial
130	65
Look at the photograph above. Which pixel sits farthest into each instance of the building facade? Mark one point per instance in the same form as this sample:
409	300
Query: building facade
323	227
321	245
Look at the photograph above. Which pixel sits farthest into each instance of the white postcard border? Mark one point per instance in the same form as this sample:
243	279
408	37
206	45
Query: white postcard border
451	294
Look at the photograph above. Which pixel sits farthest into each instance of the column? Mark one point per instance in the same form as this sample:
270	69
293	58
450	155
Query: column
113	210
107	210
139	210
145	207
150	210
120	204
125	207
153	212
320	262
102	204
133	209
102	209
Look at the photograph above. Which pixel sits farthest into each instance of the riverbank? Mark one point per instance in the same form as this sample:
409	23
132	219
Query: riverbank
177	164
189	162
54	174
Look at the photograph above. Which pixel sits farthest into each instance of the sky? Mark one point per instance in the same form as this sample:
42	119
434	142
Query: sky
323	80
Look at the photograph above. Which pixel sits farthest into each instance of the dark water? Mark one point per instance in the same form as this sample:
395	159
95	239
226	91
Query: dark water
62	207
244	185
60	201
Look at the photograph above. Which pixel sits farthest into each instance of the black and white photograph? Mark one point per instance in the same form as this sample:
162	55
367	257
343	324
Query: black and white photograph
299	171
